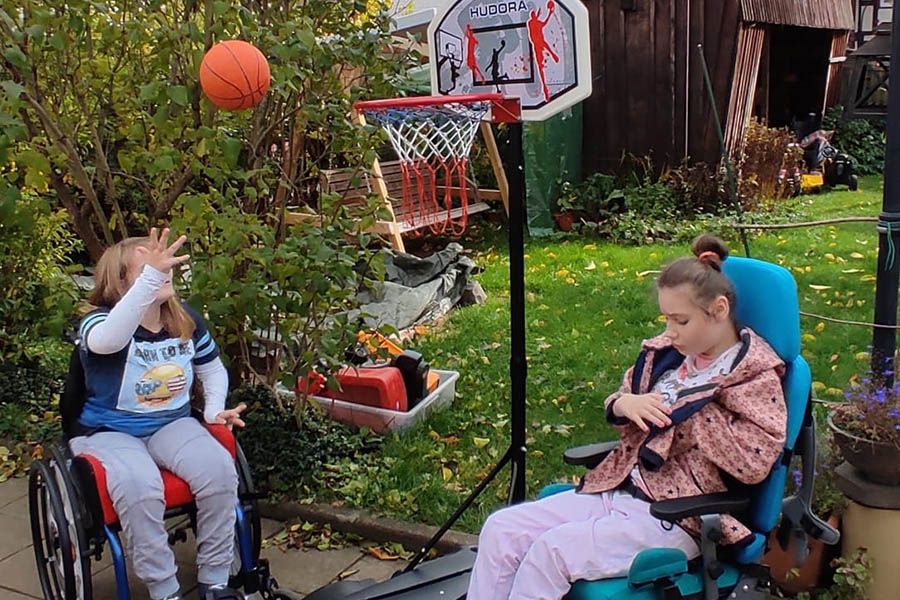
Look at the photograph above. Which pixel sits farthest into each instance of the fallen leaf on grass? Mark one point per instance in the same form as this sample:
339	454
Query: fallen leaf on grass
481	442
857	255
590	266
819	288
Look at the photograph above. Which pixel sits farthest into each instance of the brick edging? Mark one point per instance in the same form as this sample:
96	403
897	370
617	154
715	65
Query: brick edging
413	536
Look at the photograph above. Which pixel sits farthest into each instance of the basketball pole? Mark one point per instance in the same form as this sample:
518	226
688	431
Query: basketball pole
518	367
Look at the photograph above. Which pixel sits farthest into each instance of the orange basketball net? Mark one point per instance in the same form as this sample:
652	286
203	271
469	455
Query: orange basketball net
432	137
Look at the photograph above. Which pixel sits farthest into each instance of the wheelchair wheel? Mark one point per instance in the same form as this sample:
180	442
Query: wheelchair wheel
251	505
63	569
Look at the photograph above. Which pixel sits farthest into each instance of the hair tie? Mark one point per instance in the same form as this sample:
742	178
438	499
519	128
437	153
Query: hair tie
707	253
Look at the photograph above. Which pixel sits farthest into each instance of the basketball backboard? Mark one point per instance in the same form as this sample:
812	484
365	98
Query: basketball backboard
534	50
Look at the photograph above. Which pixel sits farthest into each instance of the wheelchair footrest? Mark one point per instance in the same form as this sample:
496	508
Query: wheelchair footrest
656	564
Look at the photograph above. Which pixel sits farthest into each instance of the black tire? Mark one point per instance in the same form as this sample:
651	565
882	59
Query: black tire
251	505
55	550
854	183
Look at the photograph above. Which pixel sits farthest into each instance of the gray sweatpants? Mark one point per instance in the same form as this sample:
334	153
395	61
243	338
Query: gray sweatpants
132	464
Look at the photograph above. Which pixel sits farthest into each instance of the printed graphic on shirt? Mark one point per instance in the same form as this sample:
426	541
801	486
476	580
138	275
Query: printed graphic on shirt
156	376
687	375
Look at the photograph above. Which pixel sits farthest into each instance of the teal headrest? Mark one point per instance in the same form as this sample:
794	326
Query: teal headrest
767	302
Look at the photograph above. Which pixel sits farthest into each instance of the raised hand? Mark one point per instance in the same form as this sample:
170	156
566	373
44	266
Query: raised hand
159	255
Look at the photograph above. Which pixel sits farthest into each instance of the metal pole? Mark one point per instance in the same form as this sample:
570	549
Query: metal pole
732	183
517	368
884	340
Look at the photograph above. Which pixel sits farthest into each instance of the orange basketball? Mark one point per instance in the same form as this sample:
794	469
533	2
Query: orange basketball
234	75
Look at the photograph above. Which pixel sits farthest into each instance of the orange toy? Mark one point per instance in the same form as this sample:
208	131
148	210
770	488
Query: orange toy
234	75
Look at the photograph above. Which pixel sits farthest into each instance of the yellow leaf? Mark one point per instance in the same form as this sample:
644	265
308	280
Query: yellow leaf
808	337
434	435
654	255
819	288
447	473
608	323
818	386
857	255
485	360
530	297
661	318
829	256
562	272
570	281
605	264
537	454
862	356
591	247
834	391
867	278
590	266
834	357
481	442
820	326
851	271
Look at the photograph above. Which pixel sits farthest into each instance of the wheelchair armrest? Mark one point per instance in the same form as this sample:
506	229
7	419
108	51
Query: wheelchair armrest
589	456
695	506
797	515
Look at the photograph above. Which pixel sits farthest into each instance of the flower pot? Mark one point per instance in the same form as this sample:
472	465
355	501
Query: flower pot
879	462
565	220
811	573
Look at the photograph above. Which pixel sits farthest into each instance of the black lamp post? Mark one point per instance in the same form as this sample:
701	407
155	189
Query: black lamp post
884	339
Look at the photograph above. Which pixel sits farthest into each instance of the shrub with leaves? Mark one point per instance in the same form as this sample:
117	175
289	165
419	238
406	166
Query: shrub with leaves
862	139
101	107
36	295
766	152
287	460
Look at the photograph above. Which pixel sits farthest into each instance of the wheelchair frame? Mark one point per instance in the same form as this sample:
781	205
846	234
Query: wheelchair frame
68	528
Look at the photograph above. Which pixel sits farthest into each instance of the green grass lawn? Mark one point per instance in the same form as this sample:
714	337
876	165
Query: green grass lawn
589	304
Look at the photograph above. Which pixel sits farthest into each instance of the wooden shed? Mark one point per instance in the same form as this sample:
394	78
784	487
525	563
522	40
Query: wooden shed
777	59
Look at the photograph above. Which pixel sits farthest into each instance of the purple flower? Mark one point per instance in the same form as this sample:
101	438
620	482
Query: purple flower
798	477
895	413
897	427
879	396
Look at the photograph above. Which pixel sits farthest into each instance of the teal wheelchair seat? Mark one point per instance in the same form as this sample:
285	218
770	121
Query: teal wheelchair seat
766	302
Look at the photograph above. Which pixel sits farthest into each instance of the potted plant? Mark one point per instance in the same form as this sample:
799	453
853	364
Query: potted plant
867	430
568	204
827	502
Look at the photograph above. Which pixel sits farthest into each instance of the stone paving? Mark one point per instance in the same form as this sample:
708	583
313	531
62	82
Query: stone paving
303	571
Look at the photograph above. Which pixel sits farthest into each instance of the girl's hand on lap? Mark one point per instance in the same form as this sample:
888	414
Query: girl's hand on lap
643	409
232	417
160	256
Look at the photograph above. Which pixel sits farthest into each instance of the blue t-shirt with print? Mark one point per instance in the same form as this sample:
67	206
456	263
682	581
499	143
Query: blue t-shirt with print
147	384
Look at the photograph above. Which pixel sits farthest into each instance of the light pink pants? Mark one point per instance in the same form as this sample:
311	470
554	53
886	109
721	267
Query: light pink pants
534	550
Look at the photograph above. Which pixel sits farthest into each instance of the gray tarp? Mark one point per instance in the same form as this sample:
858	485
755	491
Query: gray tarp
417	290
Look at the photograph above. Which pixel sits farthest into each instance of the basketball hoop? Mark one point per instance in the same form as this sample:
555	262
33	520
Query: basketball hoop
432	136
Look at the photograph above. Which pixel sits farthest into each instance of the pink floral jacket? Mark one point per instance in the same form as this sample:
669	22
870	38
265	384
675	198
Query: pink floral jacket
734	425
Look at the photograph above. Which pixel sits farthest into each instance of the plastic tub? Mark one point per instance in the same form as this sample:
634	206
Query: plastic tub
381	420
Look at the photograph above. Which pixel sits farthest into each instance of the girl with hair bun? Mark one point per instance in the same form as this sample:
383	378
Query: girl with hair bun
700	412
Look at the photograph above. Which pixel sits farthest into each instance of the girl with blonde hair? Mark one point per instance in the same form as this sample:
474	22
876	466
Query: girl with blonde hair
141	349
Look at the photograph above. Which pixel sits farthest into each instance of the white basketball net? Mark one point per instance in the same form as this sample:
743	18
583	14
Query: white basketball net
433	143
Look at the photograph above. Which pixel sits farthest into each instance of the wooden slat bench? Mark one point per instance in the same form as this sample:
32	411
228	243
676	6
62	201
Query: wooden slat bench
355	186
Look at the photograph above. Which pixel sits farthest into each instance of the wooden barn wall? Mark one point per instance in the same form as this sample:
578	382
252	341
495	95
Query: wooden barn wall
640	100
746	68
839	43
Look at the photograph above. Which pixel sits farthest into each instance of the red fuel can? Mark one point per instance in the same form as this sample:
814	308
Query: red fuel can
381	387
